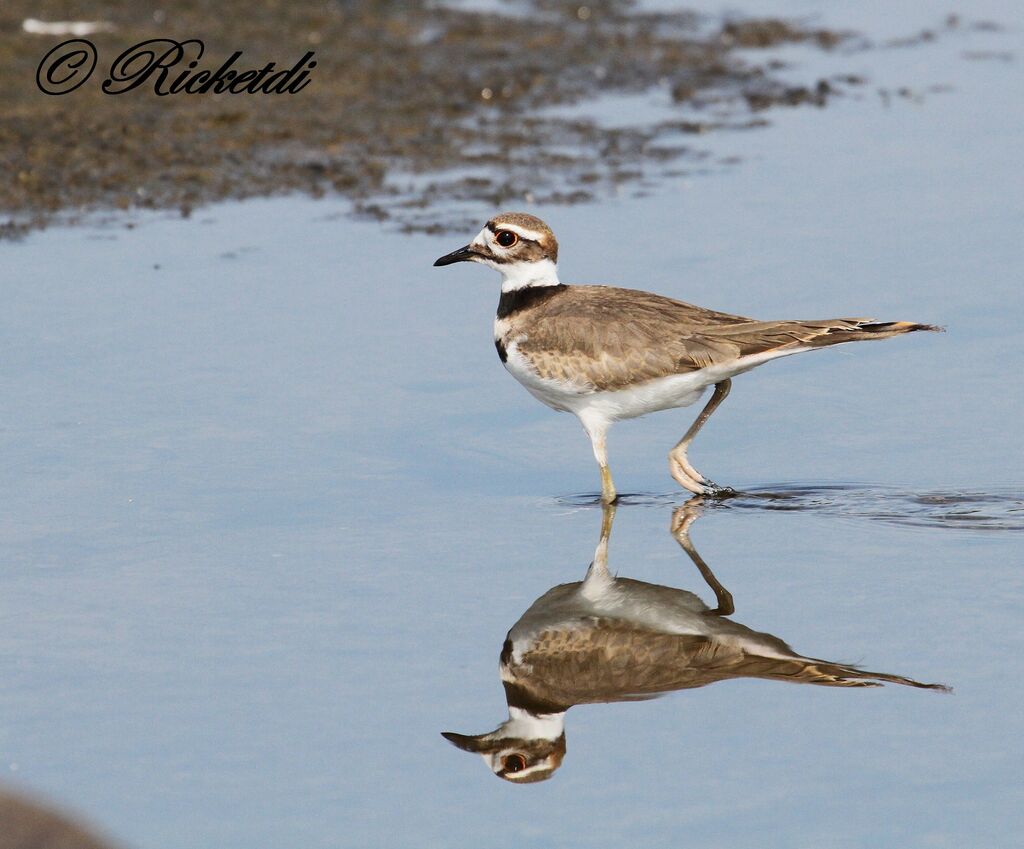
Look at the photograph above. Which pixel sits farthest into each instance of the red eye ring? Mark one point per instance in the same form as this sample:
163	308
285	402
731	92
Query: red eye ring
514	763
506	238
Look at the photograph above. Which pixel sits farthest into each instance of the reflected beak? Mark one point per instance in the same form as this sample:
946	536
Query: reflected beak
461	255
464	741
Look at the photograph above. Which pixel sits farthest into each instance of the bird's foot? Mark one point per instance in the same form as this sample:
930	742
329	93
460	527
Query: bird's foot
685	515
718	491
689	478
683	474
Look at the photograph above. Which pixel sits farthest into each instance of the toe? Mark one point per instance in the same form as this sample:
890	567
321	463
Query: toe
684	480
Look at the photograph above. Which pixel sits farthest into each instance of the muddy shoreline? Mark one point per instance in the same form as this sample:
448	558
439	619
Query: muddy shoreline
408	104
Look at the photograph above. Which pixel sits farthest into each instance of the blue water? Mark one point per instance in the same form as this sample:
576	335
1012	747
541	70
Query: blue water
270	503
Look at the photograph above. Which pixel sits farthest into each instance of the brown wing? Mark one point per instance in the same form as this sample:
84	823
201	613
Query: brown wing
607	660
619	337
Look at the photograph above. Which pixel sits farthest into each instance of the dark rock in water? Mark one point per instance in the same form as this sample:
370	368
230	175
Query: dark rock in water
32	825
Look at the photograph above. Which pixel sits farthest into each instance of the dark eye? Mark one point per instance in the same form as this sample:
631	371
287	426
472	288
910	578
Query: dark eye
514	763
506	238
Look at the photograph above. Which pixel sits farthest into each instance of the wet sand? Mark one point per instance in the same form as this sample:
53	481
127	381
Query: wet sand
399	90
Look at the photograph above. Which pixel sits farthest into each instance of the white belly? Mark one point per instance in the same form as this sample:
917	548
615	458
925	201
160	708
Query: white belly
663	393
559	394
678	390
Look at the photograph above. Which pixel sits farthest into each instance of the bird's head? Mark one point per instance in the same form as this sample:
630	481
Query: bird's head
518	751
520	246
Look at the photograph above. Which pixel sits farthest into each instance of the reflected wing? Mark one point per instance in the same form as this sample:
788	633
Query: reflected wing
607	660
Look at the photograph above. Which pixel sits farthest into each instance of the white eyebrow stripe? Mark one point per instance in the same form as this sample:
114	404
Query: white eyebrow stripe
522	232
530	770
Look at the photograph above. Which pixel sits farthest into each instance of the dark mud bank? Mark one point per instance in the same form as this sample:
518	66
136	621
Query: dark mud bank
408	104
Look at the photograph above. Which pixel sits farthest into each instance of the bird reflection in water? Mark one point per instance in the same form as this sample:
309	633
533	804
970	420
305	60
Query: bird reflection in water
610	639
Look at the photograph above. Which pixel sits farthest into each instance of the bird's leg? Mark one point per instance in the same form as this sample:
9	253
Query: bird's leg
598	570
597	433
682	518
608	493
678	463
607	518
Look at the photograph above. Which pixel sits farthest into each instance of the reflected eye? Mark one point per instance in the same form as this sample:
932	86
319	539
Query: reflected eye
515	763
506	238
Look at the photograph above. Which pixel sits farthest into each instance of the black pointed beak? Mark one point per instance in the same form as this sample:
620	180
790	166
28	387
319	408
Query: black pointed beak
464	741
461	255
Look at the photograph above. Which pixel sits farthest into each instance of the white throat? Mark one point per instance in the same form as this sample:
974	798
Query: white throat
531	726
520	275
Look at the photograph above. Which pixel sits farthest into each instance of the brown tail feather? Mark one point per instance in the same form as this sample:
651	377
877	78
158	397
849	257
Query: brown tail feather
806	670
857	330
852	676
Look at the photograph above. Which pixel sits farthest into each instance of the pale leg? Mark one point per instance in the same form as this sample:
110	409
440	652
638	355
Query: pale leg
678	463
601	553
598	575
682	518
597	429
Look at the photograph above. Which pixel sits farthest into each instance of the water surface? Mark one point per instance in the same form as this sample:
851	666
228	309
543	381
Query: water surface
271	503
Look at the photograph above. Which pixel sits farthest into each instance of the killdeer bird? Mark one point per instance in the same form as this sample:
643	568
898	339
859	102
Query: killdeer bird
607	354
609	639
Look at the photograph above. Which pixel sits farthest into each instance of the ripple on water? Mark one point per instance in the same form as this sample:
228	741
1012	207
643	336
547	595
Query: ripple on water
995	509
